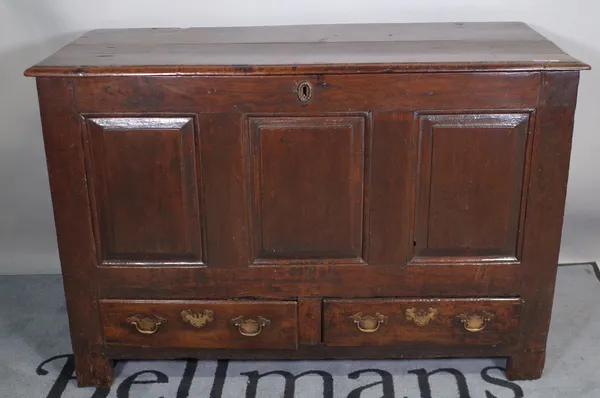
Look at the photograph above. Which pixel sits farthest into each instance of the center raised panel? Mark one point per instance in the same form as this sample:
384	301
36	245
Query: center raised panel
308	183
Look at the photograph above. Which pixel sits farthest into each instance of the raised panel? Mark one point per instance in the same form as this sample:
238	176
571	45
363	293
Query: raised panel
308	183
143	181
470	187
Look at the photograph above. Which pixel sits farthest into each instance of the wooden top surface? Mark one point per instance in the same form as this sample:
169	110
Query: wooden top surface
357	48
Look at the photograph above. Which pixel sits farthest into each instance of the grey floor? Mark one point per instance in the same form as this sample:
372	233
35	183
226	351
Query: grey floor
33	329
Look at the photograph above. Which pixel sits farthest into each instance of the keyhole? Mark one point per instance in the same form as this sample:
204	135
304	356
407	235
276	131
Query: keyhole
305	91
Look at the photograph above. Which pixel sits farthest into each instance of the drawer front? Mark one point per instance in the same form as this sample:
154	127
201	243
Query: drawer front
430	321
201	324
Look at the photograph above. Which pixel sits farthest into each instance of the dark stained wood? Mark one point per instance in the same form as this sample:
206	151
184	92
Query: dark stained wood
359	48
470	186
223	156
337	280
157	218
174	332
544	216
66	170
439	319
309	321
314	169
526	365
209	179
390	215
331	93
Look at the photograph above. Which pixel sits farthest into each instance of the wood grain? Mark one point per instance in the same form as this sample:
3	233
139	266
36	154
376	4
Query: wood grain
470	186
444	328
544	217
309	320
281	333
66	170
427	169
526	365
157	218
309	188
390	214
353	48
332	93
337	280
223	160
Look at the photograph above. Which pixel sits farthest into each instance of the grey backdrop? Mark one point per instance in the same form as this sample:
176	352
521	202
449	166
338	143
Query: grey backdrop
30	30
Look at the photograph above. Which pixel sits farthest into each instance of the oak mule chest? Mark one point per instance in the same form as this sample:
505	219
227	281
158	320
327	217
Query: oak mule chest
332	191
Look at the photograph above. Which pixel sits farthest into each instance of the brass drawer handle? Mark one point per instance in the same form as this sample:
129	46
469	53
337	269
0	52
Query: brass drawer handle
368	323
197	319
250	327
422	317
475	322
146	325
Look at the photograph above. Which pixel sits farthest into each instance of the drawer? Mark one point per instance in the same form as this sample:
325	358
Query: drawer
201	324
382	322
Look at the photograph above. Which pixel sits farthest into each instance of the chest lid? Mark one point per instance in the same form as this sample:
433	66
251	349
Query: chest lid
350	48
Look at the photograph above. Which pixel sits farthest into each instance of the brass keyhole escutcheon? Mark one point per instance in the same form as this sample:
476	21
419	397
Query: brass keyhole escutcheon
368	323
422	317
197	319
305	91
146	325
